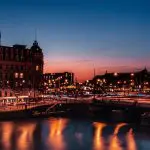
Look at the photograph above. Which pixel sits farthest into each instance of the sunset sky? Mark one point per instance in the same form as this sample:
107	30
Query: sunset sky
80	35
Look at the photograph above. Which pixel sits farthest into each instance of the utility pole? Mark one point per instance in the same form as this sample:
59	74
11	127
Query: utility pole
94	83
76	93
0	38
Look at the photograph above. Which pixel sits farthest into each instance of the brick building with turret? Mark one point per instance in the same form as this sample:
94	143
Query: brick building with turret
21	70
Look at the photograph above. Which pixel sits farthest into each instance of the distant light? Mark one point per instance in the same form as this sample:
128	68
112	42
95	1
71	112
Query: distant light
132	74
16	75
115	74
21	75
37	68
98	80
146	83
104	80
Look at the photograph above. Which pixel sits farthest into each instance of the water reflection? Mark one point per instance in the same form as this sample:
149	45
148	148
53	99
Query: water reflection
98	139
131	144
115	143
79	137
118	128
7	130
25	136
56	137
64	134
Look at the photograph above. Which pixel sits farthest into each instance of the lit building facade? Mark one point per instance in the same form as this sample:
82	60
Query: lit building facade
21	70
57	80
133	81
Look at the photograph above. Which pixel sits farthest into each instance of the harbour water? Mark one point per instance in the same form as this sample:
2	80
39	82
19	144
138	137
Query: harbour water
72	134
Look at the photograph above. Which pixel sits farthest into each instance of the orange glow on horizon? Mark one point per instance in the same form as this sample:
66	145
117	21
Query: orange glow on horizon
84	69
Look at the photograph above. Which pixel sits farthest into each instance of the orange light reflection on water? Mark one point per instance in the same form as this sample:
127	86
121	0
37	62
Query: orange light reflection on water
7	129
131	144
98	140
114	141
25	138
55	138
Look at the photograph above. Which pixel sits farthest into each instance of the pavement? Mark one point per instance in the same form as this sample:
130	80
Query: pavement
141	101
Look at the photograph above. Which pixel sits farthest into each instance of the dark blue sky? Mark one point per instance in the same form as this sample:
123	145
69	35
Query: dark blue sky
77	34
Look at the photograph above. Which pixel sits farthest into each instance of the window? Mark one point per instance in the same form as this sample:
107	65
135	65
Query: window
6	76
66	74
17	68
21	75
1	75
21	58
21	67
16	84
5	93
11	94
12	66
37	68
17	58
7	66
16	75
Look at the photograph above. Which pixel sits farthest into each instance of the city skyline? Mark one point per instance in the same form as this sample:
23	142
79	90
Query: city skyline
79	36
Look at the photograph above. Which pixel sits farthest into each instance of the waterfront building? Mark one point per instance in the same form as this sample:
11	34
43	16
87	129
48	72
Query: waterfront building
21	70
58	80
130	81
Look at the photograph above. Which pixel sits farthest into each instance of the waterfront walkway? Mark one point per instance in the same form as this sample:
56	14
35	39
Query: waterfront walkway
116	101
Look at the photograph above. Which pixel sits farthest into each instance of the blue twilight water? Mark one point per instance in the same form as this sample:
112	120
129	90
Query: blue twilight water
72	134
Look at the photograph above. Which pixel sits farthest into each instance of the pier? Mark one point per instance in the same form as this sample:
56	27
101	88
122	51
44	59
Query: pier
132	108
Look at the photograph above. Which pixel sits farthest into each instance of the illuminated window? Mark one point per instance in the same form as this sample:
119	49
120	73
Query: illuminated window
132	74
37	68
66	74
5	93
98	80
16	75
21	75
11	94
